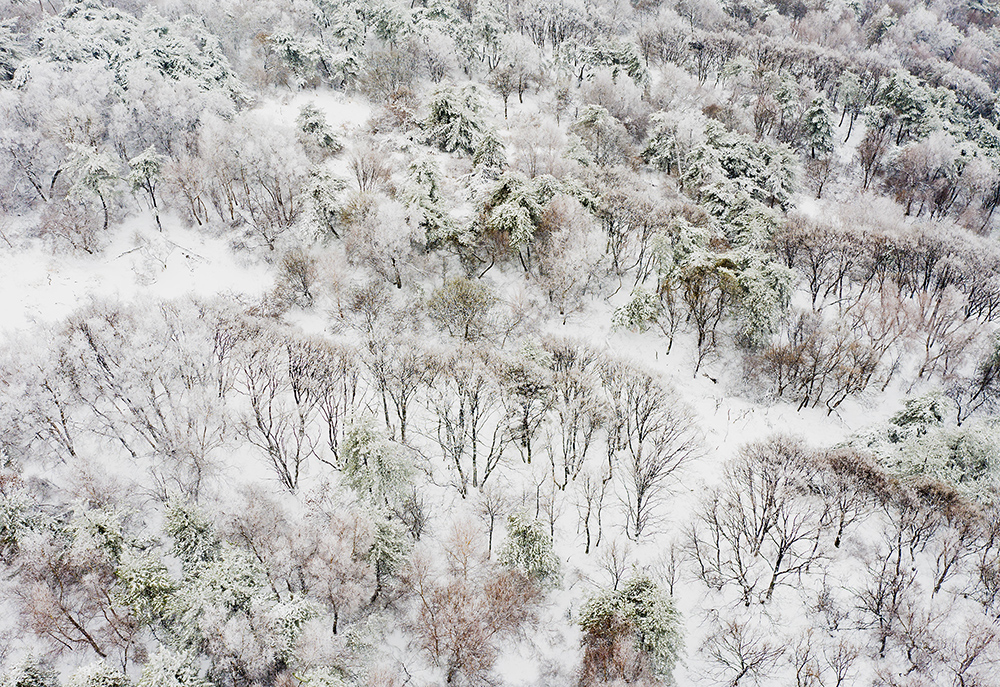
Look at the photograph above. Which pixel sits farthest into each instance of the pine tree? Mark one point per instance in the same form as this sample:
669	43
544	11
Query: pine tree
145	171
16	522
851	99
642	309
424	201
373	466
145	586
94	172
455	122
489	157
31	672
513	210
764	293
909	103
662	151
98	674
604	135
388	552
315	133
528	549
323	193
10	51
818	129
195	541
167	668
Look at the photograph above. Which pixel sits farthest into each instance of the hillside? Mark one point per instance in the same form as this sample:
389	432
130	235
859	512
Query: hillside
536	343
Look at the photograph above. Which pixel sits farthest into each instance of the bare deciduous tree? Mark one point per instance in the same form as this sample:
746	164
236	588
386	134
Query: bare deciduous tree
149	383
281	409
370	164
493	507
399	369
462	616
757	530
650	435
465	399
527	396
739	651
65	590
577	408
590	503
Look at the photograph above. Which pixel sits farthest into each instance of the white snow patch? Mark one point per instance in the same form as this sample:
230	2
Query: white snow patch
40	287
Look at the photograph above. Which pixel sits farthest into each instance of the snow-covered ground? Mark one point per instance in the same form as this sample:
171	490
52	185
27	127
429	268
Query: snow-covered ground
40	286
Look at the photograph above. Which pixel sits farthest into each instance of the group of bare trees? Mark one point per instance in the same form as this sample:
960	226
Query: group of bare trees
171	390
161	385
848	256
789	516
891	301
586	413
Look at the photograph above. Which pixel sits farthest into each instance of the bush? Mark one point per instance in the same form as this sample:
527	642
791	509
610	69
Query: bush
72	225
296	278
464	308
32	672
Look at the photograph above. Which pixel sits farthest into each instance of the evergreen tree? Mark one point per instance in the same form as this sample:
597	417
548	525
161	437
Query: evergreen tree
17	520
489	158
94	172
852	100
390	547
315	133
639	613
513	210
763	296
167	668
195	541
818	129
145	586
373	466
642	309
10	50
909	104
661	150
98	674
424	200
528	549
324	198
455	122
604	135
145	171
31	672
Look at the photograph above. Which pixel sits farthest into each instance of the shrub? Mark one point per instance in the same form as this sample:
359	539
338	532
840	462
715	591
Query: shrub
32	672
463	308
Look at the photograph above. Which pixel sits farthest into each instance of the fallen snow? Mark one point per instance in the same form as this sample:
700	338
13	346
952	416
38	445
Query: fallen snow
42	287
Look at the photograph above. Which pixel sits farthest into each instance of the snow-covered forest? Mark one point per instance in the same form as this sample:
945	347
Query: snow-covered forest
514	343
